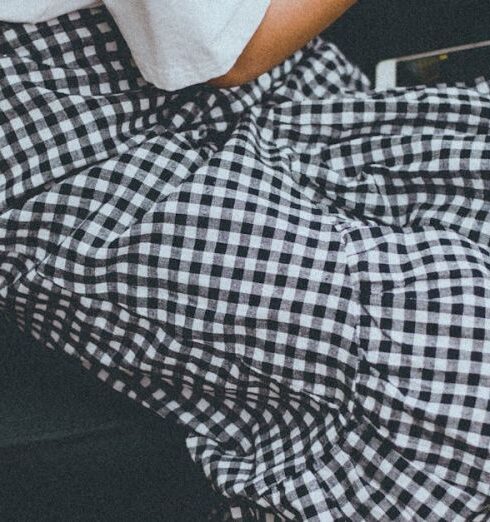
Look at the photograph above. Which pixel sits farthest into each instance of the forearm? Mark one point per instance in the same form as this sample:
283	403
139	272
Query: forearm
287	26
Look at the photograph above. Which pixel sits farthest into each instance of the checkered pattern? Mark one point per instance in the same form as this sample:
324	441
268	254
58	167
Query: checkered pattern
297	270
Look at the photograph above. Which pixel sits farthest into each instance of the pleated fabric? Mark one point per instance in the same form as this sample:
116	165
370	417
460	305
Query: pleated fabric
296	270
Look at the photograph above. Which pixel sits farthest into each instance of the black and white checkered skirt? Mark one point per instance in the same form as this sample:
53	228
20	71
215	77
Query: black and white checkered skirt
297	270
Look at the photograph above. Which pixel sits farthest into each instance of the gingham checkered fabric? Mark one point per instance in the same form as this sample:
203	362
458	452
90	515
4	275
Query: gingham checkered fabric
297	270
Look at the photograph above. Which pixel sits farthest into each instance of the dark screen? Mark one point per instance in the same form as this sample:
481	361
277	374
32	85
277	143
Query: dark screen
460	66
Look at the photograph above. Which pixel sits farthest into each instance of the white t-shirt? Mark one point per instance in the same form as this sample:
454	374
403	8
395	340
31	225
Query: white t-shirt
175	43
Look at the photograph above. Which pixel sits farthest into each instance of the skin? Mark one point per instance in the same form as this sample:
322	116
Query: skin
288	25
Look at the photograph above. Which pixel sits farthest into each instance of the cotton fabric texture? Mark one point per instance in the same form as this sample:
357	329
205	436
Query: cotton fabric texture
296	270
174	43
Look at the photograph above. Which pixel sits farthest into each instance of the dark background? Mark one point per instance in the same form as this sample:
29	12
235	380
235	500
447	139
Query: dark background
374	30
70	449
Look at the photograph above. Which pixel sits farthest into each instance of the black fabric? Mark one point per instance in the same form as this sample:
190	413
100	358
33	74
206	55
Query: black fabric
72	450
77	459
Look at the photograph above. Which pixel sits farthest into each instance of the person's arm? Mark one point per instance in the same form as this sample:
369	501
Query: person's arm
287	26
